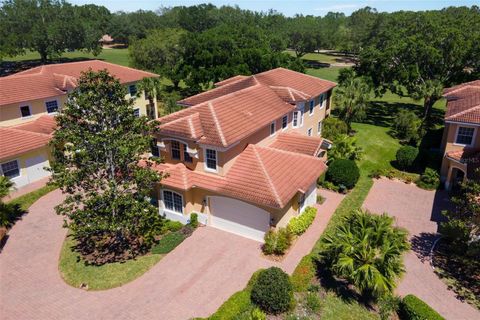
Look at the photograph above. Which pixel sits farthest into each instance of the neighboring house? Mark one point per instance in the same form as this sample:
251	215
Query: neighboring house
246	155
461	136
28	102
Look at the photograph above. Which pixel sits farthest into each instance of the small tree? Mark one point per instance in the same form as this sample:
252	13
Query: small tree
407	126
367	251
345	147
98	145
152	88
332	127
351	99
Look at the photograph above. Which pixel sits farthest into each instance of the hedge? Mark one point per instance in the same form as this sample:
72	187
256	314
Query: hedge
343	172
412	308
406	157
300	224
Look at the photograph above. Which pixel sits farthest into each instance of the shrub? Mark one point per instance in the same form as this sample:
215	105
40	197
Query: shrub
406	156
313	302
345	147
320	199
168	242
330	186
171	226
333	127
388	305
298	225
412	308
457	233
272	291
429	179
194	220
257	314
277	242
407	126
343	172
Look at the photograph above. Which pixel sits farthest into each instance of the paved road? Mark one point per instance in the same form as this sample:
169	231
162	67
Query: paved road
193	280
418	211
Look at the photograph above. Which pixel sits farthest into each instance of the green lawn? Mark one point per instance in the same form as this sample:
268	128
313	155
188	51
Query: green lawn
118	56
111	275
28	199
330	73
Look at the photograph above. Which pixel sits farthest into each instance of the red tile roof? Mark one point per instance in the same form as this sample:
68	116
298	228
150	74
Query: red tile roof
289	85
45	124
260	175
465	156
225	120
16	141
55	79
463	102
295	142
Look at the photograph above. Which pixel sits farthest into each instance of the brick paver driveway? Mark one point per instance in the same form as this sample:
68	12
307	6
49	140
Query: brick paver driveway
418	211
193	280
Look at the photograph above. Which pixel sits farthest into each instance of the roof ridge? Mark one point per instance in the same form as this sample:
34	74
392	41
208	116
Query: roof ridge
289	152
26	131
462	86
217	123
190	124
305	74
463	112
267	176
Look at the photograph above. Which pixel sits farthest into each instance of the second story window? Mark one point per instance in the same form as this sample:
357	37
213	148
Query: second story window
272	128
52	106
211	159
465	135
186	155
132	89
154	148
175	145
310	107
321	100
136	112
284	122
319	127
25	111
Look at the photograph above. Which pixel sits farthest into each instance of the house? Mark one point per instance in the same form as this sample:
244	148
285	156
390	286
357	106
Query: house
461	136
28	102
246	155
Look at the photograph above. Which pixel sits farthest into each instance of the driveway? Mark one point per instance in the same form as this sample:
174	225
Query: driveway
193	280
419	211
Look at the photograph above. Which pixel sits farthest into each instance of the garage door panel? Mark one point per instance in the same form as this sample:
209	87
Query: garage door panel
239	217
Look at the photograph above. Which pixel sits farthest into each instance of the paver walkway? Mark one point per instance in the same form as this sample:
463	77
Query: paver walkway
418	211
193	280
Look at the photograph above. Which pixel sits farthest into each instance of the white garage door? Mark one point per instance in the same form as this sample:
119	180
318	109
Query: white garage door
35	168
239	217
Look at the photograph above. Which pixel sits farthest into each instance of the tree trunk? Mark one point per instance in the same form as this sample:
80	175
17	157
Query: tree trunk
43	55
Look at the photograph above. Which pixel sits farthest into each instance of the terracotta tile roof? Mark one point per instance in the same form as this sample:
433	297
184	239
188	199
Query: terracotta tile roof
465	156
289	85
295	142
16	141
227	119
463	102
55	79
44	124
260	175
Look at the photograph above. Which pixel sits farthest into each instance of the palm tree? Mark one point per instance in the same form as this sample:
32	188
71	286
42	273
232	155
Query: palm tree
5	186
366	250
152	88
351	99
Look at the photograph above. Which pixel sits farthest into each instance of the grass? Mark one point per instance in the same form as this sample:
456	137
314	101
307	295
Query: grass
169	242
330	73
76	273
334	308
28	199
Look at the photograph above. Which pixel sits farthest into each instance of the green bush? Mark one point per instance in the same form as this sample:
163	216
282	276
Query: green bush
412	308
172	226
300	224
406	157
457	232
333	127
313	302
194	220
168	242
388	306
320	199
345	147
429	179
272	291
277	242
343	172
9	213
407	126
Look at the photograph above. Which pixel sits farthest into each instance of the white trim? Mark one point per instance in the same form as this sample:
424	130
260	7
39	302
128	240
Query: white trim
19	169
29	109
286	127
463	123
205	160
298	113
322	102
162	202
274	128
50	100
473	136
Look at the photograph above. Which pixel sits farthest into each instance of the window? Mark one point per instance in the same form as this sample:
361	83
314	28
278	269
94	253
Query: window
285	122
11	169
173	201
465	135
211	159
321	101
310	108
295	119
319	127
272	128
154	148
175	146
132	89
186	155
52	106
136	112
301	118
309	132
25	111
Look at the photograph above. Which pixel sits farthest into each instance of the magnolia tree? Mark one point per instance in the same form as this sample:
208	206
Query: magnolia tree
98	146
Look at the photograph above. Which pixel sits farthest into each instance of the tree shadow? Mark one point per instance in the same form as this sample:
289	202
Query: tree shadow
315	64
422	244
10	67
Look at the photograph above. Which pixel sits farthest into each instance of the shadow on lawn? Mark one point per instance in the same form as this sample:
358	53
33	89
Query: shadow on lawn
10	67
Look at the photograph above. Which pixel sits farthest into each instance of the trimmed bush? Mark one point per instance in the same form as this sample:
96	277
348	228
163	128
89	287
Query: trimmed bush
277	242
272	292
194	220
412	308
171	226
429	180
300	224
406	156
343	172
